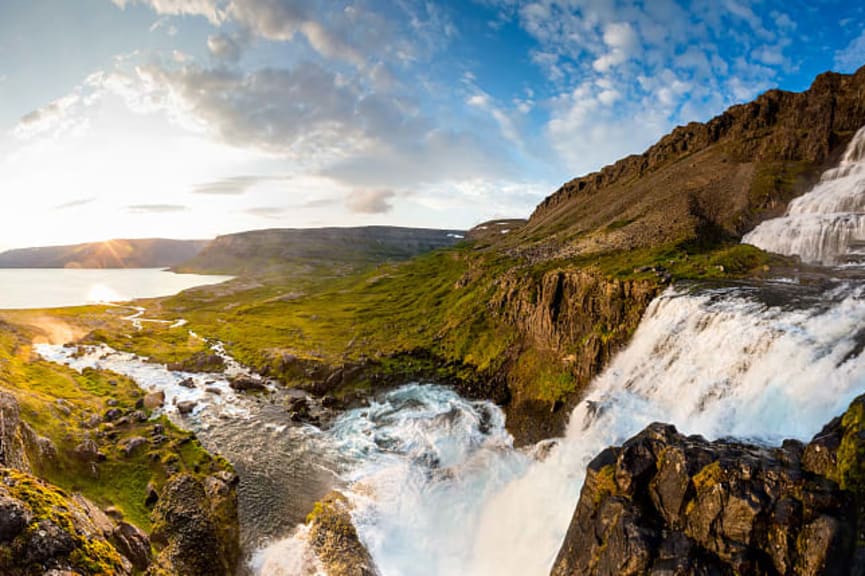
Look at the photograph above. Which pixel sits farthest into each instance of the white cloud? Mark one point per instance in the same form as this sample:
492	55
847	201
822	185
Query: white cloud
852	56
370	201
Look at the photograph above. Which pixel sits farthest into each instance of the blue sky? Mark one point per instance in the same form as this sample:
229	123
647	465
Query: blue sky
190	118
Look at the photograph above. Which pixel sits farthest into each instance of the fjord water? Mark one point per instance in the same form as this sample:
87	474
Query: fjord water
56	287
826	225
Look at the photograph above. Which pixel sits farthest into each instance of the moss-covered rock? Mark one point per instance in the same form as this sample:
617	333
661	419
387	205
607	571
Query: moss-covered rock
44	528
195	526
335	540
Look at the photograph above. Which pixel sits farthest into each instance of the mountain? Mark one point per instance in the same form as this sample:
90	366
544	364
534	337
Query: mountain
144	253
710	180
267	251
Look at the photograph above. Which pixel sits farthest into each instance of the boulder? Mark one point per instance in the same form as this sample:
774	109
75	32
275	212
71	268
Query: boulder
154	400
245	383
664	503
186	406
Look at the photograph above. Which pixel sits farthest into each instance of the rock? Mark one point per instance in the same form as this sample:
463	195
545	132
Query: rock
196	527
186	406
199	362
133	544
335	540
87	451
131	444
44	530
111	402
14	517
245	383
12	451
663	503
152	495
111	415
187	383
214	391
154	400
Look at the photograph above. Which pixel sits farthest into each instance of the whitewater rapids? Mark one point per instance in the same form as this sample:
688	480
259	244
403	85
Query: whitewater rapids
439	490
827	225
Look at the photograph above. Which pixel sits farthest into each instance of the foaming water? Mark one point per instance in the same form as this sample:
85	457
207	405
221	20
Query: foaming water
826	225
438	488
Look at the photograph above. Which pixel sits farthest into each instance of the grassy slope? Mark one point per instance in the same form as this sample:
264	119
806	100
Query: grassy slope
58	403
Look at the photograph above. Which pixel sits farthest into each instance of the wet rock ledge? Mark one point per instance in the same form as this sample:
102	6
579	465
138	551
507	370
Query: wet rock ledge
664	503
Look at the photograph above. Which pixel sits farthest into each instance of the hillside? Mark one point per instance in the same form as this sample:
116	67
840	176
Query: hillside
714	180
261	252
144	253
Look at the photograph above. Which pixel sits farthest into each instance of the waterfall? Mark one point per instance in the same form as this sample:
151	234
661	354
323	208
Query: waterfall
826	225
439	490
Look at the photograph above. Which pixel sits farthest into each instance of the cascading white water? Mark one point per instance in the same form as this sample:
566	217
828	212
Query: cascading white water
439	491
826	225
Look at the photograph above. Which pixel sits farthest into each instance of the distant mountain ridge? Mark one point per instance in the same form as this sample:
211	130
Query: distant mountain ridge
266	251
138	253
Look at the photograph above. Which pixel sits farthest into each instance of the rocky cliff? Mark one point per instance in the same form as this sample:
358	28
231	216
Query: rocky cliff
570	322
664	503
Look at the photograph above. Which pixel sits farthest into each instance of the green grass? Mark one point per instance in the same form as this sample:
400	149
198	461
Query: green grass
58	402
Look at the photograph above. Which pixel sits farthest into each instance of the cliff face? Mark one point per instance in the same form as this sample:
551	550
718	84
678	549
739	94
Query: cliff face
666	503
571	322
734	170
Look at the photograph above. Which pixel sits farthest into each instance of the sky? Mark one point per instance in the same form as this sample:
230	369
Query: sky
192	118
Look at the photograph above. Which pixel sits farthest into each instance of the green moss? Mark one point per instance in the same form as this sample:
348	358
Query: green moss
709	476
605	483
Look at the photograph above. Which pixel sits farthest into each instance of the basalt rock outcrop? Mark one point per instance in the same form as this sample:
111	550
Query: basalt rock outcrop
572	321
664	503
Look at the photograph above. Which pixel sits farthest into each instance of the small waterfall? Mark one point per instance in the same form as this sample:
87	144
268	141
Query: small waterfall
826	225
438	489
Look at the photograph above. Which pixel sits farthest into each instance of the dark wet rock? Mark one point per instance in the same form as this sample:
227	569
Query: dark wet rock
195	525
186	406
335	540
187	383
112	415
245	383
664	503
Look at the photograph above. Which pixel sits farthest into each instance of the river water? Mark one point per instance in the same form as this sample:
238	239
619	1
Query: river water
438	488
